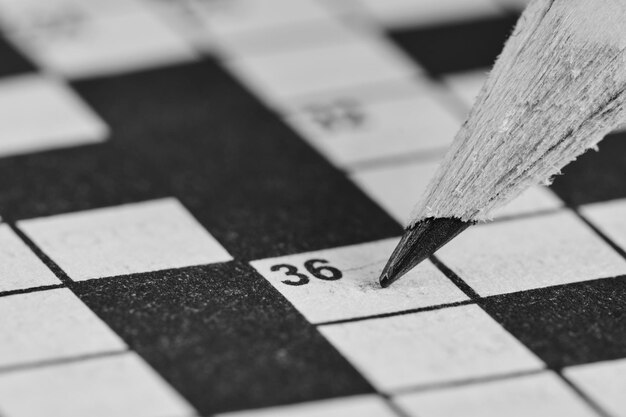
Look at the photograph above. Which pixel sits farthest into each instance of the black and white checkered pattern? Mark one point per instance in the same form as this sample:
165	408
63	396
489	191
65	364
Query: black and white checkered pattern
197	196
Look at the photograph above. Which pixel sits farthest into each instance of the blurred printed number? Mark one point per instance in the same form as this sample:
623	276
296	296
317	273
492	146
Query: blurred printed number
318	268
337	116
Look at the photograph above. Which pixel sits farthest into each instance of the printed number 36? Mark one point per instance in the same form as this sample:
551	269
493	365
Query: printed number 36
323	272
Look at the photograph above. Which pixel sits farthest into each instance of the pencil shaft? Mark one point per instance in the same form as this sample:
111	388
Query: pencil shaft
558	87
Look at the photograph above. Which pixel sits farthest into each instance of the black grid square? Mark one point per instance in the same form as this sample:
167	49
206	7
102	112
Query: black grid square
249	179
12	62
457	47
222	336
595	176
567	325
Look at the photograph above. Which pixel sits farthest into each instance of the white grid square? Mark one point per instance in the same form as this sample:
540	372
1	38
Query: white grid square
184	18
238	17
105	45
127	239
467	85
20	268
287	76
40	113
535	199
356	406
516	5
530	253
432	347
357	292
410	13
539	395
121	385
357	131
36	15
604	382
610	218
280	39
51	324
397	188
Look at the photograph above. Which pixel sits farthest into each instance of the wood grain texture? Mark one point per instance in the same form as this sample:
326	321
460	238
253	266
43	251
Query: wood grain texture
556	90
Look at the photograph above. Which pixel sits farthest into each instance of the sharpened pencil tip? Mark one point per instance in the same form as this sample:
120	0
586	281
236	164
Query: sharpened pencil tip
385	281
418	243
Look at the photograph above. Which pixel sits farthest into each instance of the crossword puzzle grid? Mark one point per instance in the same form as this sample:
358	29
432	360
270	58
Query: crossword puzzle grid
197	198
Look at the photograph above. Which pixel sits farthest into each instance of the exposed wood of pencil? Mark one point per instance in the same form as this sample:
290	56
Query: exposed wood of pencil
557	88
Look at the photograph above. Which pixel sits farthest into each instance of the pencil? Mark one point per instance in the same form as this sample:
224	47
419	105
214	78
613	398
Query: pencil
557	88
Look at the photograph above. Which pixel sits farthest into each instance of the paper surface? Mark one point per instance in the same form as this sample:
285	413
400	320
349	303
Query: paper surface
140	237
342	283
197	199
